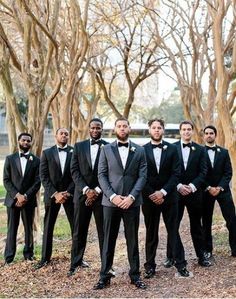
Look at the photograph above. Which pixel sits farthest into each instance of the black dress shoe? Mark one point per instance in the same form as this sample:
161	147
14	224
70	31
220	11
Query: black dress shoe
101	284
72	271
204	262
30	258
41	264
149	273
139	284
84	264
183	272
168	263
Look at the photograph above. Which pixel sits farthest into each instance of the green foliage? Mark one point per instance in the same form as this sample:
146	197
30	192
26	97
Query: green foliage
2	192
62	228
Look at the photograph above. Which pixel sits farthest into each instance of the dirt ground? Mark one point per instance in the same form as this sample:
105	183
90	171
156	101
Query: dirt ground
21	280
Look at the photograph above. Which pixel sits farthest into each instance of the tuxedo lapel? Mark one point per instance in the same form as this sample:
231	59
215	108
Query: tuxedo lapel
88	152
114	148
68	159
56	157
18	165
178	145
191	155
150	155
28	164
131	154
98	155
217	156
163	155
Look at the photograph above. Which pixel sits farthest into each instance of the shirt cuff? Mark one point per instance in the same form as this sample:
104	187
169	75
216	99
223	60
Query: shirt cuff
54	194
208	188
221	188
98	190
163	192
194	189
132	197
112	196
179	186
85	189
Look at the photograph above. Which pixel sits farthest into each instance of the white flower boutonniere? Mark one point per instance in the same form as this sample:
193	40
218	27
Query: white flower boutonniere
193	148
165	147
133	149
101	145
218	149
31	158
71	151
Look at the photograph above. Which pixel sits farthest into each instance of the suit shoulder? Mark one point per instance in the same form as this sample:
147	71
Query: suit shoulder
81	143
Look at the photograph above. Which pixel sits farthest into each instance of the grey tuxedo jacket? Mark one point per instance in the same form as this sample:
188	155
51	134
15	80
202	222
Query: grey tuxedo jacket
113	178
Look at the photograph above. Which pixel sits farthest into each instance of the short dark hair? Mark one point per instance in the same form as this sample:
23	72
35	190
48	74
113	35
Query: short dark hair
96	119
60	129
121	118
186	122
210	127
24	134
161	121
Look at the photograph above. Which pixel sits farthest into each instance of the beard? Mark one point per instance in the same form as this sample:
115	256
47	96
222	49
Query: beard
25	149
122	138
157	139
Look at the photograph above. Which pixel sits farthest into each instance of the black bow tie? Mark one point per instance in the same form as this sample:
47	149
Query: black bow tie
62	149
186	144
213	148
93	141
160	145
26	156
123	144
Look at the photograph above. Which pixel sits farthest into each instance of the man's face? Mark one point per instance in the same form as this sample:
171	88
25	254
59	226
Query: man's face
186	132
209	136
25	143
156	131
62	136
122	130
95	130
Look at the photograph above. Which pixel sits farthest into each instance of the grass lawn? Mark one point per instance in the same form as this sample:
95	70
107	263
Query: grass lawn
2	192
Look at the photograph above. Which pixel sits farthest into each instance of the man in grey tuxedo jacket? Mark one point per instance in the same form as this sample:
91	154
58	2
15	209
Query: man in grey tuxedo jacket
122	173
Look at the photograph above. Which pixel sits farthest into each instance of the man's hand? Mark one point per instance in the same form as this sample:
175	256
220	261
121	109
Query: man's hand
60	197
117	200
126	202
185	190
21	200
214	191
91	195
157	197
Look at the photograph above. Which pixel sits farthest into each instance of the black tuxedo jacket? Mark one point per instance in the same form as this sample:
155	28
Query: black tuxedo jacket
169	172
221	172
51	175
196	170
81	168
14	182
113	178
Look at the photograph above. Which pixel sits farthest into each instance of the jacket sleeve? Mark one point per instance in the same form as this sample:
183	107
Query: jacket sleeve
103	175
142	175
75	170
7	179
227	172
45	175
36	185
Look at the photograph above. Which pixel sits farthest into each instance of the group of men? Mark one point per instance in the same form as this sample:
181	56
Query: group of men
112	181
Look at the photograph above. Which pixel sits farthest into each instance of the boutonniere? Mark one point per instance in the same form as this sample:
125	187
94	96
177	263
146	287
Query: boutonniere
101	145
193	148
31	158
71	151
133	149
165	147
218	149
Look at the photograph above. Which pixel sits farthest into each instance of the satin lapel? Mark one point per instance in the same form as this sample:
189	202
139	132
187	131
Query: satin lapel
217	155
178	145
132	149
150	155
98	155
163	155
18	165
208	160
87	152
28	164
191	155
116	153
56	157
68	159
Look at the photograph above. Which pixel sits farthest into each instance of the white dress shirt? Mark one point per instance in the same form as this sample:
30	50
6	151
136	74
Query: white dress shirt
211	155
62	158
124	152
23	162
